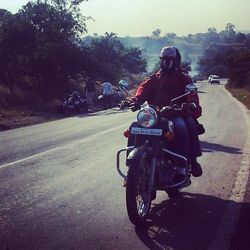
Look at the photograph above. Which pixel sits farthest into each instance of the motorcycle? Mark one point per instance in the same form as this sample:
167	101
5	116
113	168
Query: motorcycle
151	164
74	103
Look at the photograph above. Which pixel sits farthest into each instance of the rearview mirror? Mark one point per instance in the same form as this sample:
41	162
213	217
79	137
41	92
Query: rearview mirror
123	85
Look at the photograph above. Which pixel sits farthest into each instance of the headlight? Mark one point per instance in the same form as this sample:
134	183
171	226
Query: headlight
147	117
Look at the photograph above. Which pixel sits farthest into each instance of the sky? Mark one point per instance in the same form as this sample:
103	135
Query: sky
140	17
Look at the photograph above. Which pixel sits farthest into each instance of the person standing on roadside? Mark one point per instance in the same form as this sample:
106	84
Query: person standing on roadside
90	92
107	91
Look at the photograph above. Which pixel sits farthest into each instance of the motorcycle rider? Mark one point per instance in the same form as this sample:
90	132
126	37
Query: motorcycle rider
159	89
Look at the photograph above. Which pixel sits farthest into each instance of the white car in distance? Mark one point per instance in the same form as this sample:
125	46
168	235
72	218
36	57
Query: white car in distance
210	77
215	79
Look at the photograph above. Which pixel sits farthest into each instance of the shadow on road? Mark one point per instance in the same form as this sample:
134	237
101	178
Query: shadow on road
187	223
87	114
201	92
211	147
102	112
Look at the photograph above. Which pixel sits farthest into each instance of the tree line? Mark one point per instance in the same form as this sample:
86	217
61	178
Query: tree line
225	53
42	51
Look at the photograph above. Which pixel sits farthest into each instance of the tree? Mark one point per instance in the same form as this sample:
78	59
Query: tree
230	31
112	59
4	14
212	30
156	32
56	17
47	50
170	36
212	35
239	68
133	62
240	37
15	60
214	60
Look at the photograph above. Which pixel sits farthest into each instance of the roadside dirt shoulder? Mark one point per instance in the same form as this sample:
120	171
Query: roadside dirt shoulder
20	119
17	119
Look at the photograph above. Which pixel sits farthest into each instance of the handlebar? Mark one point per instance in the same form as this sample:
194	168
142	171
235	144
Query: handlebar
185	108
129	104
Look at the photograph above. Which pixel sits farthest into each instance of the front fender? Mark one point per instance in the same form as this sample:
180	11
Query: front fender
136	154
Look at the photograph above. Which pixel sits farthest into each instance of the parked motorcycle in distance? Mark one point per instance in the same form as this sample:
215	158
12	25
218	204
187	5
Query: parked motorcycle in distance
151	164
74	103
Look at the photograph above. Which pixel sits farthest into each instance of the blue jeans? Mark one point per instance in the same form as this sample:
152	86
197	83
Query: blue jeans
186	140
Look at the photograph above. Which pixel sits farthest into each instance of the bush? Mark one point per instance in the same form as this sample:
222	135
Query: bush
5	96
19	98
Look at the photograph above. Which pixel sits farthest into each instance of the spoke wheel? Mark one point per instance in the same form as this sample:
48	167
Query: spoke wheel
138	193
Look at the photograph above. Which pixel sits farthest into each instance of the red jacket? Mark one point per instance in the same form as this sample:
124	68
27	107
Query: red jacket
159	89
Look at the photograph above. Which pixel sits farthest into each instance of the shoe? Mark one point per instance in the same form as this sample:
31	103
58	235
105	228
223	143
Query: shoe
196	169
201	129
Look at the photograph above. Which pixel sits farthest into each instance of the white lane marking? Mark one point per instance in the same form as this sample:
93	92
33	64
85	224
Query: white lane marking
88	138
230	218
30	157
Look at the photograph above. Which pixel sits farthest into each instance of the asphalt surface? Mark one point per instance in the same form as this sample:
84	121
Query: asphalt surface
59	188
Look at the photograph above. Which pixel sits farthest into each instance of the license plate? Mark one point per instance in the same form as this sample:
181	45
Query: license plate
146	131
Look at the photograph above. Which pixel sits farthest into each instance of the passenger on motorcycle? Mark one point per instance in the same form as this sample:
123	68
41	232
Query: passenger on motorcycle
159	89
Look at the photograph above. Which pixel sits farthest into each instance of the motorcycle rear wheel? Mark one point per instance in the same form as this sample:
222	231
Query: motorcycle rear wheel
138	195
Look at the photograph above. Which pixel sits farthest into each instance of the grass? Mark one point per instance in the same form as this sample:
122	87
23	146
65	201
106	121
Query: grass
243	95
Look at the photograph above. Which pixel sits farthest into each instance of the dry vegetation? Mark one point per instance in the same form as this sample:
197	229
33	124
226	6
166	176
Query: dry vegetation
242	95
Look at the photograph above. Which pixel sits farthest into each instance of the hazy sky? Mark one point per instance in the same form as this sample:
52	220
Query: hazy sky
141	17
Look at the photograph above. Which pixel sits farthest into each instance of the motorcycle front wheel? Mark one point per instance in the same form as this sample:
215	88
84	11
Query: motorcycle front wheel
138	193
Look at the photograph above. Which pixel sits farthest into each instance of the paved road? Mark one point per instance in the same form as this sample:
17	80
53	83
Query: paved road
59	188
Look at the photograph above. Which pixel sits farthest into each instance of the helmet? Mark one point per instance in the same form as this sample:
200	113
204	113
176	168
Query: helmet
170	59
